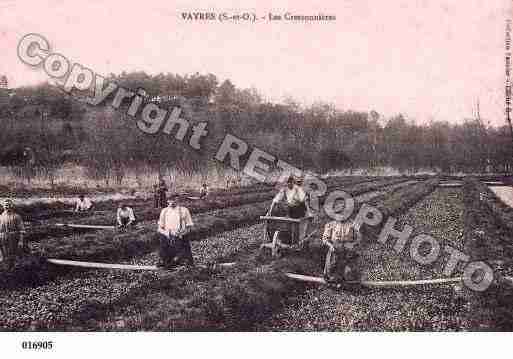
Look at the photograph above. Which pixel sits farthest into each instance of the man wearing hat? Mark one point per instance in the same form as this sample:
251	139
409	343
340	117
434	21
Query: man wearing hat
174	223
11	231
295	197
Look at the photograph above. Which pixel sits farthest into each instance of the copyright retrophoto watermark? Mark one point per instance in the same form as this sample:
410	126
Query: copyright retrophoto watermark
34	50
177	167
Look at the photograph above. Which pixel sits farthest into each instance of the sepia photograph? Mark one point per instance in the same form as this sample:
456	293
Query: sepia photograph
274	166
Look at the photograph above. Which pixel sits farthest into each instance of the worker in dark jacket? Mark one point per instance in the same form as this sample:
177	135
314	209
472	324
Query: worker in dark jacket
162	194
204	190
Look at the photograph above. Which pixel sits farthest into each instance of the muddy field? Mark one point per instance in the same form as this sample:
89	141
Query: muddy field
254	293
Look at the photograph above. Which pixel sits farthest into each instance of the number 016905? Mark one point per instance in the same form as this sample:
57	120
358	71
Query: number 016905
43	345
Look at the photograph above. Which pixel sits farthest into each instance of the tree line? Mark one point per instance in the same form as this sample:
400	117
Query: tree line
42	129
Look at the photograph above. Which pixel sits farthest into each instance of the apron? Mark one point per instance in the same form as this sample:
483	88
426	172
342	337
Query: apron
298	211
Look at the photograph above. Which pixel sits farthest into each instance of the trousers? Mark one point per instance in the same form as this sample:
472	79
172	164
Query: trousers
175	250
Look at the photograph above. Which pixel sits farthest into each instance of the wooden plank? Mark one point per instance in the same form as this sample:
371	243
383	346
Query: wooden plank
281	219
306	278
276	242
410	283
366	283
98	265
56	212
84	226
228	264
494	183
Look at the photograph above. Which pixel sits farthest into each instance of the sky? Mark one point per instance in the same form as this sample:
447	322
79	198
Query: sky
425	59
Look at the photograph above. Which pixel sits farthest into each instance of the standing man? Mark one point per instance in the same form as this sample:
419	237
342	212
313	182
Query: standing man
156	199
295	197
300	182
83	204
12	231
204	191
162	193
174	223
125	216
340	238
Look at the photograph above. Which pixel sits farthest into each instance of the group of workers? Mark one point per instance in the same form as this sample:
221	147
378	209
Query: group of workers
175	222
339	237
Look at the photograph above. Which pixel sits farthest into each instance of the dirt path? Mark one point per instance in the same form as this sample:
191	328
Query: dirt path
422	308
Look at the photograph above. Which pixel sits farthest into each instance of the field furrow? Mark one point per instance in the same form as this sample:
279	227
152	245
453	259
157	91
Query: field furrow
112	286
197	301
419	308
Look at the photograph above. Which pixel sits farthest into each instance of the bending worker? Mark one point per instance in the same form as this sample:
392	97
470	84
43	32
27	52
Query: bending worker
83	204
295	197
125	216
12	231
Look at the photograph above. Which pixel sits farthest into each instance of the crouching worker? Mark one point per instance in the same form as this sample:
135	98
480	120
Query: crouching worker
174	223
340	238
83	204
12	232
125	216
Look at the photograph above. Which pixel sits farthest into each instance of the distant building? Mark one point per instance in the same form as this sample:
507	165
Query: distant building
4	84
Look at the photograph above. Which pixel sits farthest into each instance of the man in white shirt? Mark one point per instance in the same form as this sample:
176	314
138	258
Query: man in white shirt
340	238
295	197
83	204
125	216
174	223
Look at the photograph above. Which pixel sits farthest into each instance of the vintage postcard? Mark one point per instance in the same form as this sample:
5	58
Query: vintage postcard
213	166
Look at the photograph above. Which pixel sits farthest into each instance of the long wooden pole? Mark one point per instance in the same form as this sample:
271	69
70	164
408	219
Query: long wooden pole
84	226
97	265
380	284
